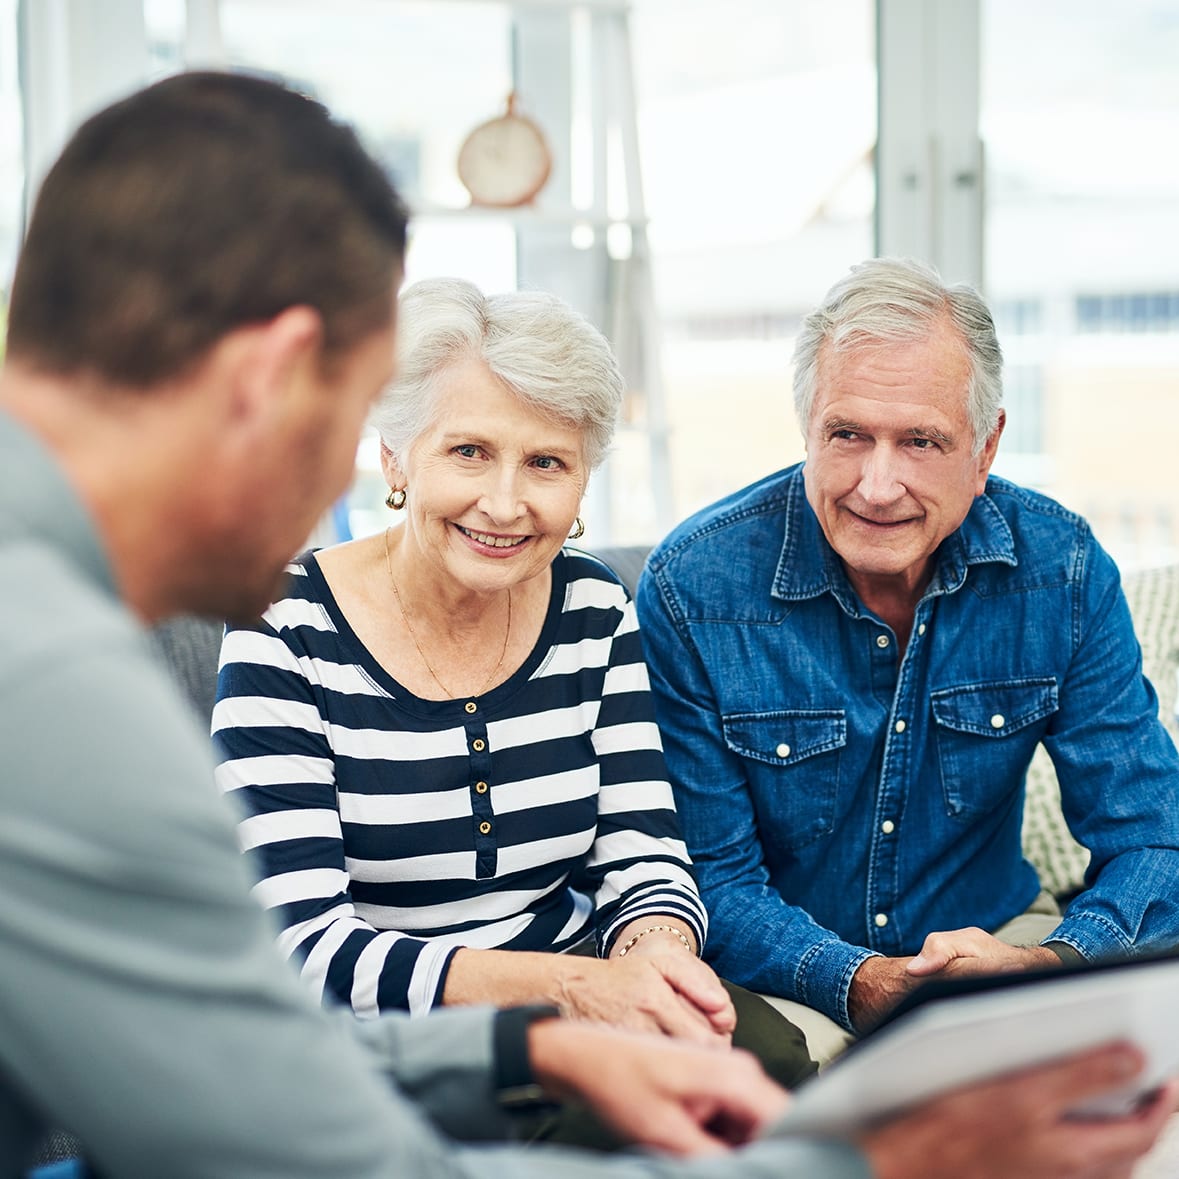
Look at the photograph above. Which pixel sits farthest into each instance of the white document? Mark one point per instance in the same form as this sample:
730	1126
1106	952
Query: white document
960	1039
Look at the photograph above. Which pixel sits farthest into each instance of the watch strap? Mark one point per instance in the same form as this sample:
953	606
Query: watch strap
516	1086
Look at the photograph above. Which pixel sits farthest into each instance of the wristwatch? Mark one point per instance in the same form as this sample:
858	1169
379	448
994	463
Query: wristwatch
516	1087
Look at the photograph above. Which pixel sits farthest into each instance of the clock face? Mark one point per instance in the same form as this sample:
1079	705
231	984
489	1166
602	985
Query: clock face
504	162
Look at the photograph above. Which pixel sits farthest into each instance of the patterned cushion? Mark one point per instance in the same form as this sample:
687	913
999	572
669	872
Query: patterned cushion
1153	596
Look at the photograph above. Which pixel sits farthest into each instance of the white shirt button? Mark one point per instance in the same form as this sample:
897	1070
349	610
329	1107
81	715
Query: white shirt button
882	641
783	750
881	920
888	826
899	726
921	628
998	721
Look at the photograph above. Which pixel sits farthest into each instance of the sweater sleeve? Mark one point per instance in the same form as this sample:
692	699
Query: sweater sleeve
276	759
638	862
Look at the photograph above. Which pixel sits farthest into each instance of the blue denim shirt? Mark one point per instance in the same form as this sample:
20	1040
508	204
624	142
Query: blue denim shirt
838	803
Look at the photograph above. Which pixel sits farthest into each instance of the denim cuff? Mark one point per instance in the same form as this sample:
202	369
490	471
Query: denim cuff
824	977
1092	936
1068	954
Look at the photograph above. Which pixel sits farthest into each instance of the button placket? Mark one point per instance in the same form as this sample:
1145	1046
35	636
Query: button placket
482	814
885	916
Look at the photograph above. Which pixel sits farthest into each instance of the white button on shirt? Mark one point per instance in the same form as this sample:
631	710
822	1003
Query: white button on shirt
900	726
921	628
882	641
881	920
783	750
998	721
888	826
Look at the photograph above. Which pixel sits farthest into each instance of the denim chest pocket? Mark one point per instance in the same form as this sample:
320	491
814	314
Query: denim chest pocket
792	763
986	735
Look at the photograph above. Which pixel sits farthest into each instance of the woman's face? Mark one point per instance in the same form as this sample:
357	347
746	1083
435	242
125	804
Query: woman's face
493	487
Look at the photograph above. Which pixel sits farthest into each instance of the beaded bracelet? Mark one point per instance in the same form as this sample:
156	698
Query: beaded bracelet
633	940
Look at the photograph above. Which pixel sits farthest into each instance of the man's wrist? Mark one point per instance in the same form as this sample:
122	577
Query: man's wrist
1068	955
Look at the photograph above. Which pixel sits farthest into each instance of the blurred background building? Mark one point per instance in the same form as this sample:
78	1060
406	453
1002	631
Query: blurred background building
716	167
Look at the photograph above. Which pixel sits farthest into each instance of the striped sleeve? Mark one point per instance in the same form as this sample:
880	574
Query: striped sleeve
639	863
276	759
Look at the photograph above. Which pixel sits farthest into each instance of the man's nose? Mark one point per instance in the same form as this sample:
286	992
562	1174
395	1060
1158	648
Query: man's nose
880	476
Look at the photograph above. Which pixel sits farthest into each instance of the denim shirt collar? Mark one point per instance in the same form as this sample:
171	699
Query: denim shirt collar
984	536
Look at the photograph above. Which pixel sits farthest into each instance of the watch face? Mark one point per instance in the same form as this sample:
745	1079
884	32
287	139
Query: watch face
504	161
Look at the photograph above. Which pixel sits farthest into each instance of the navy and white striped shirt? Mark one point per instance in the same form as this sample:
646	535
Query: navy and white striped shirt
389	830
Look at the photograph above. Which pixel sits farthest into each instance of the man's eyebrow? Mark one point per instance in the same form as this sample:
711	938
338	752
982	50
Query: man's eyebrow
933	433
930	432
838	423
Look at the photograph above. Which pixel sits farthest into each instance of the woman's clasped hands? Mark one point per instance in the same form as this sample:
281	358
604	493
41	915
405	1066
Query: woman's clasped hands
658	985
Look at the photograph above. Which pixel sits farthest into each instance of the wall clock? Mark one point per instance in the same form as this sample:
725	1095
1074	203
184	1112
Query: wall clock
505	161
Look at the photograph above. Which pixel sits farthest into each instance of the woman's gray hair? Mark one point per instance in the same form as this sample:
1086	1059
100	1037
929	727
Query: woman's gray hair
892	300
547	354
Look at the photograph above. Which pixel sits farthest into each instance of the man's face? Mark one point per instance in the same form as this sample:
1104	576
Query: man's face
308	464
889	469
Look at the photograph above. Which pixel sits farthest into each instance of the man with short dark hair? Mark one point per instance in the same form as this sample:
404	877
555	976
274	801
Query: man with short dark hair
184	388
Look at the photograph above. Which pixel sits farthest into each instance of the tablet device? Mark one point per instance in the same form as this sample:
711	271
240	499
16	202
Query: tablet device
950	1033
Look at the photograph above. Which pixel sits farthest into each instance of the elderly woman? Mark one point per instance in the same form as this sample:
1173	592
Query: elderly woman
443	736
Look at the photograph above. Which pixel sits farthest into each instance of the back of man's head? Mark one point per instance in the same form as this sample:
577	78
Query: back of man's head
198	205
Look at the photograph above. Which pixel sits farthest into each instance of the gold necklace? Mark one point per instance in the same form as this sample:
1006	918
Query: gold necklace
409	626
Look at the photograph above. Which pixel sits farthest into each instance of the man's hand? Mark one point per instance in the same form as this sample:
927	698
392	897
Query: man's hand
959	952
1018	1127
653	1091
879	984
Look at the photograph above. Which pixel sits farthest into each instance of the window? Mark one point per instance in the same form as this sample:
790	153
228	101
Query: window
11	159
1080	109
758	164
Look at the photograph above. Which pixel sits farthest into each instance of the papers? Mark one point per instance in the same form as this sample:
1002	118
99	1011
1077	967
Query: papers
959	1034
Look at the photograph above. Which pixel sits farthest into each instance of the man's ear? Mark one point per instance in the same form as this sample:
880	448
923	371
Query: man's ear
272	361
987	455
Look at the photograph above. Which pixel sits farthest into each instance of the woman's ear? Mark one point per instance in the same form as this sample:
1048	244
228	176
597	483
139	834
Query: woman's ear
391	468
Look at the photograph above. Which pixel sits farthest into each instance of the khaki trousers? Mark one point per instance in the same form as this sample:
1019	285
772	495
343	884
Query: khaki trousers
825	1039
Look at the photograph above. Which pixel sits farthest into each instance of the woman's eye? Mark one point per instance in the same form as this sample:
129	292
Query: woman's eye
546	462
468	451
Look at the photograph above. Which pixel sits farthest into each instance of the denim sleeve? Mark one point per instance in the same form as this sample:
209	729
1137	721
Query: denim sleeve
1119	777
756	939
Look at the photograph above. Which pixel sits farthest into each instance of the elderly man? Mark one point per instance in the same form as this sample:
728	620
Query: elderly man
853	661
201	316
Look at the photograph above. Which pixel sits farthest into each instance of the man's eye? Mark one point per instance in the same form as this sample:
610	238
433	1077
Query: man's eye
922	443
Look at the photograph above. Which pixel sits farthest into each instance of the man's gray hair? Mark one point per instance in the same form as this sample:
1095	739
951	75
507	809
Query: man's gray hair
547	354
893	300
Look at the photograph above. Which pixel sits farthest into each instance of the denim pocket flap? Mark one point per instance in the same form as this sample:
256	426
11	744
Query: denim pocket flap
994	710
783	738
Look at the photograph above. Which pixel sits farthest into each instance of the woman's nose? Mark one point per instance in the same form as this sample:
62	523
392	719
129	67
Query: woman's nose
500	497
